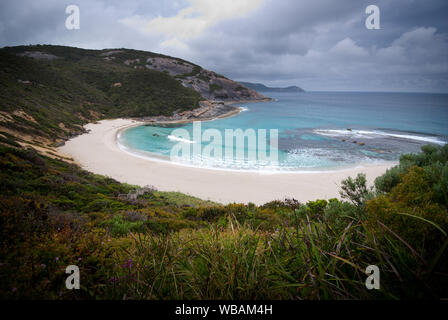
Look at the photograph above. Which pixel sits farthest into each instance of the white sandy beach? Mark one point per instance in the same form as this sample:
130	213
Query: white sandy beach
99	153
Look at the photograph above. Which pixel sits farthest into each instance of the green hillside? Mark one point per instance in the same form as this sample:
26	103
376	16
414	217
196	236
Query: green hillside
63	88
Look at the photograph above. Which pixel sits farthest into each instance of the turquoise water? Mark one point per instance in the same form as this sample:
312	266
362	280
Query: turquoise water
315	130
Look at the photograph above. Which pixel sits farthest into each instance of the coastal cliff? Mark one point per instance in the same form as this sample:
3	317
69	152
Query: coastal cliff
48	93
209	84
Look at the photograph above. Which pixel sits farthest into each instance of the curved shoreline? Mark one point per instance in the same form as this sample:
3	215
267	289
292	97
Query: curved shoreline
98	152
159	158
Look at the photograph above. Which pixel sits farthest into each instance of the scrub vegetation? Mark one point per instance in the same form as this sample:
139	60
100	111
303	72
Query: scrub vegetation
172	246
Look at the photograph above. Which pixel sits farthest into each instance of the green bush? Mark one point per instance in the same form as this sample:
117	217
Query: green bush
390	179
356	190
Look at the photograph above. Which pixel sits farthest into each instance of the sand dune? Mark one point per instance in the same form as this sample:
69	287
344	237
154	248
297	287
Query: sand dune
98	152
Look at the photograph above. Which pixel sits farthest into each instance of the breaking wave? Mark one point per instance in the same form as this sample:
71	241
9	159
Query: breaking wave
372	134
179	139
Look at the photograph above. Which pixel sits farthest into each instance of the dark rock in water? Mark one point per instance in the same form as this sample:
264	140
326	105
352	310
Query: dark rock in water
343	140
349	129
155	135
355	141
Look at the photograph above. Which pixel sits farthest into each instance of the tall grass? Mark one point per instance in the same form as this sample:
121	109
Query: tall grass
160	247
310	259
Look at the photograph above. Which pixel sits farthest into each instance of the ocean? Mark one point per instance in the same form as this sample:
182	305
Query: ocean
316	131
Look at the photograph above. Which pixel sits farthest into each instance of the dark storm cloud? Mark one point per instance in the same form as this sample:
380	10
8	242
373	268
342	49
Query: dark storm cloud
318	44
325	45
32	22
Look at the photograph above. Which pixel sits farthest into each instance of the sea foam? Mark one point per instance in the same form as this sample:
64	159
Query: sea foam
179	139
367	134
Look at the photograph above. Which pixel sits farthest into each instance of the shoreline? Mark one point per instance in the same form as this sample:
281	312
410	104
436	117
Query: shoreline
98	151
163	159
235	111
186	121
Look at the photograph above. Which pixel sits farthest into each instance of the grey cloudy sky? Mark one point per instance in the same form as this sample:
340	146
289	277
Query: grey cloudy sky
316	44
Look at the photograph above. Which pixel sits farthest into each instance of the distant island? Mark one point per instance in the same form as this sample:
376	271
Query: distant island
262	87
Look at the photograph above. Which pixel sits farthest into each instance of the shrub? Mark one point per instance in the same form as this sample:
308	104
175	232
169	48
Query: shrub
212	213
410	212
390	179
316	208
356	190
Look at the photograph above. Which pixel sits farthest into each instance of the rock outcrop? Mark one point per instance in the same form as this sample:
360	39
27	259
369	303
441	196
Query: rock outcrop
209	84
